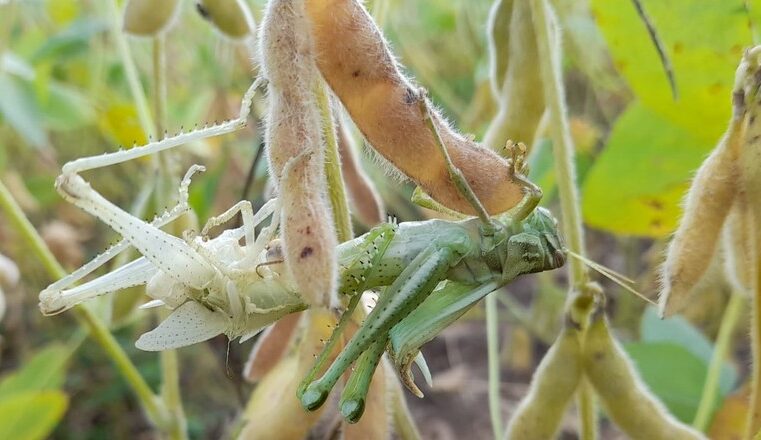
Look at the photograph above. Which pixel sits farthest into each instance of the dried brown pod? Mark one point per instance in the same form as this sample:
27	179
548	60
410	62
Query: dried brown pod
270	347
149	18
355	60
309	238
230	17
364	198
623	394
294	147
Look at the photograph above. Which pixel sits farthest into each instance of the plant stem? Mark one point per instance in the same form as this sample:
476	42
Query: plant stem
562	143
152	406
336	189
492	343
729	320
130	71
583	299
754	408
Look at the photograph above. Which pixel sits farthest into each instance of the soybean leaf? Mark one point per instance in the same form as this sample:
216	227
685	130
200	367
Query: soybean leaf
31	415
20	110
45	371
636	183
678	330
72	40
672	373
704	41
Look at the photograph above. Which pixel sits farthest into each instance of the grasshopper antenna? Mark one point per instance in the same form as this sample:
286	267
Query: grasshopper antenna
620	279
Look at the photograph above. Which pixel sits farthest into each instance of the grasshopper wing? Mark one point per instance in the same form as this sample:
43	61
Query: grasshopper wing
189	324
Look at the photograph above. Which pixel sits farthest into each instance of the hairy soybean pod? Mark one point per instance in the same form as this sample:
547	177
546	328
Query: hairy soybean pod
148	17
706	206
539	414
354	59
295	151
624	396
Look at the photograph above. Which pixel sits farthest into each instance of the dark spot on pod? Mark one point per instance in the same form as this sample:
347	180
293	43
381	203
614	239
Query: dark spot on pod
410	97
356	73
307	251
202	11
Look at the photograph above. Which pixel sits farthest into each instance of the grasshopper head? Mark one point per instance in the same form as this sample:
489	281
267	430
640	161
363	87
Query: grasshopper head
545	225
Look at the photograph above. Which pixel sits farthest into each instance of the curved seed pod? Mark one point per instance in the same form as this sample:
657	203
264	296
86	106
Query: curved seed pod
552	388
498	34
294	148
309	240
270	347
273	410
354	59
368	206
626	399
149	18
520	95
737	247
705	209
231	17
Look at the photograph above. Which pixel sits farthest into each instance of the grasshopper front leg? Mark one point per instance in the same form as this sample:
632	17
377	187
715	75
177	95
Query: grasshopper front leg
412	286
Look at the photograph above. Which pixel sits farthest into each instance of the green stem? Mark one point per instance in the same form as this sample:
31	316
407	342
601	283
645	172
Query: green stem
99	332
336	189
130	71
492	343
723	342
405	425
583	300
562	143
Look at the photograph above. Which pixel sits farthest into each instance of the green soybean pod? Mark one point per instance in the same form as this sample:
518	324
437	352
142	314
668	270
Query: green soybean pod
149	18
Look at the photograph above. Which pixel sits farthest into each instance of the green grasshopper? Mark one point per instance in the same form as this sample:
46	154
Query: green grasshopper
430	273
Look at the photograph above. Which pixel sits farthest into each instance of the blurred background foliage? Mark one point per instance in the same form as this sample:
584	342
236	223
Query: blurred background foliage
64	95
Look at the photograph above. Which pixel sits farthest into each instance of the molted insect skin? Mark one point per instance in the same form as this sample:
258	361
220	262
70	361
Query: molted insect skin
520	94
149	18
354	59
375	423
308	236
231	17
706	206
539	414
624	396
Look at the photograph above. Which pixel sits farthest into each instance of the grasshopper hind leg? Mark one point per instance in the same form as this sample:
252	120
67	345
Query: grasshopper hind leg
409	290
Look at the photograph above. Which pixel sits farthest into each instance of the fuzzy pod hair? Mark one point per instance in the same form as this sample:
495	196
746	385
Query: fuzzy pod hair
367	204
231	18
540	413
355	60
149	18
705	209
309	238
520	95
624	396
738	249
499	32
295	151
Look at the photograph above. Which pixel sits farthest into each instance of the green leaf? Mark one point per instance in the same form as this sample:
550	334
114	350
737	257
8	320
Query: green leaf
672	373
31	415
703	40
20	110
637	182
679	331
72	40
45	371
